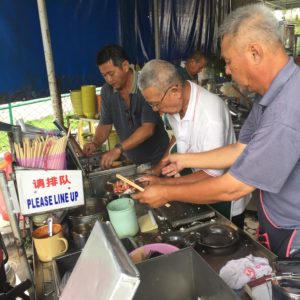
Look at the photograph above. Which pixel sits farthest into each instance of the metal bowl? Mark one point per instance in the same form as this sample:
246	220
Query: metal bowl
83	218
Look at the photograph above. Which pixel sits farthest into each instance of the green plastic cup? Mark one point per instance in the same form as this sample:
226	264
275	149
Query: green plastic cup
122	216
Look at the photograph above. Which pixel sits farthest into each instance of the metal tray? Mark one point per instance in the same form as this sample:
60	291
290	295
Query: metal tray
183	274
99	179
179	213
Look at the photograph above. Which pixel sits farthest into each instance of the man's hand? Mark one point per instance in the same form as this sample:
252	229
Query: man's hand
108	158
173	164
89	149
154	195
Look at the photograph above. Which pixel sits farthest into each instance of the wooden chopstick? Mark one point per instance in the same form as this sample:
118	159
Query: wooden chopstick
126	180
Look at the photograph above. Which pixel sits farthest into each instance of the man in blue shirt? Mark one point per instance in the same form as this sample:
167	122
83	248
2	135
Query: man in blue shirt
140	130
194	63
267	154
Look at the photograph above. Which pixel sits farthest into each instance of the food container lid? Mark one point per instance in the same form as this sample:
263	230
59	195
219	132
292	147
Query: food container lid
105	267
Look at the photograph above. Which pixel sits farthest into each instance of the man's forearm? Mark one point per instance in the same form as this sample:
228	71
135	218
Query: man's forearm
210	190
143	133
220	158
191	178
101	134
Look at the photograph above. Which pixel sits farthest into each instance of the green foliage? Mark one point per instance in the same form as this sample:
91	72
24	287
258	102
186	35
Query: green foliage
45	123
295	20
4	146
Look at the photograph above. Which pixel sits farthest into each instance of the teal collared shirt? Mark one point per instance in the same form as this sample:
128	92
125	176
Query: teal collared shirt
127	120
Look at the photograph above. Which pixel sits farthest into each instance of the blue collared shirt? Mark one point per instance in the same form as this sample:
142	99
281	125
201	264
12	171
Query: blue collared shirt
271	159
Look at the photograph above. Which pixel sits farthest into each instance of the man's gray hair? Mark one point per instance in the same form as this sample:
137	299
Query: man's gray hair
159	74
252	22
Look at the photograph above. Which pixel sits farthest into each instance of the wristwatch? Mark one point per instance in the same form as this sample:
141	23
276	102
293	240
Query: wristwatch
120	146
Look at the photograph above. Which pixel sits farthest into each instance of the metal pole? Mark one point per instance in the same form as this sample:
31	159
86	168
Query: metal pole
55	96
11	119
156	28
14	226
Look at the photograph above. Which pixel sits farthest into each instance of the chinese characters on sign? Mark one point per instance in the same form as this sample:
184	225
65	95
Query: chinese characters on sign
51	181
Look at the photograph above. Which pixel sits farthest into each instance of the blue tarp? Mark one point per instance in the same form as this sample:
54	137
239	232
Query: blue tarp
184	27
79	28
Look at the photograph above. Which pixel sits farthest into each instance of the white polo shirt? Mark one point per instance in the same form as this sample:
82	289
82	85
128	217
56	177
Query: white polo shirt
206	125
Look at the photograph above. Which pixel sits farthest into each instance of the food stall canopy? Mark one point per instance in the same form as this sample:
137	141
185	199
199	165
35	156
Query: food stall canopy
79	29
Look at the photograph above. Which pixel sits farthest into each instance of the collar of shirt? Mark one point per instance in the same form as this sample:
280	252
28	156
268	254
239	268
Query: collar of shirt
134	87
190	112
280	80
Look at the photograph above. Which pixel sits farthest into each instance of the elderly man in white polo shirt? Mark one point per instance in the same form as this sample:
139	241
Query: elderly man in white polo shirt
199	119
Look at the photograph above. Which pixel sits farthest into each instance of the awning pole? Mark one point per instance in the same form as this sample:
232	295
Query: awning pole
156	28
54	94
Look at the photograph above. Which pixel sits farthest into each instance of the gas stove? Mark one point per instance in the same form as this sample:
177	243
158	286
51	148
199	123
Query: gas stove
179	214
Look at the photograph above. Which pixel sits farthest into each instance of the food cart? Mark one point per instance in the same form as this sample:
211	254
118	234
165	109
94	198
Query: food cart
180	224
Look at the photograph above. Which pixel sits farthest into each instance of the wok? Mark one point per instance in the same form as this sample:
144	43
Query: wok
217	239
179	239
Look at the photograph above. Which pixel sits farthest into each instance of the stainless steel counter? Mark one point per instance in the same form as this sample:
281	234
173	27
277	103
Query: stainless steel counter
44	277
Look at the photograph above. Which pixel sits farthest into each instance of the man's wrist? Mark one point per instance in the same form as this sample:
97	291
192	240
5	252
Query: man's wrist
120	147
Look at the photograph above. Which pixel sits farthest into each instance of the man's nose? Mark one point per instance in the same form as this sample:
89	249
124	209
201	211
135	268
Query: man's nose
108	79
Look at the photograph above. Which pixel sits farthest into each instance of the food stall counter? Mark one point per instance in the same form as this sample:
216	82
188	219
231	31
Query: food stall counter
245	246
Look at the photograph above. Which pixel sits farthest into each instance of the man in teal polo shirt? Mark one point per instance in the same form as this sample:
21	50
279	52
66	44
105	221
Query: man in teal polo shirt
142	135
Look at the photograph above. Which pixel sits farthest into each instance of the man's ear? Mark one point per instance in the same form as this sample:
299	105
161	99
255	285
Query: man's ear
176	91
256	52
125	66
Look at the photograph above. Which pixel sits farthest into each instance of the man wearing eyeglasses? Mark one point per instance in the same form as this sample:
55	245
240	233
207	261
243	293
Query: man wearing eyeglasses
199	119
140	129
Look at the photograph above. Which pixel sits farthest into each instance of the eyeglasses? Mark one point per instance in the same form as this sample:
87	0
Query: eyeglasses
155	105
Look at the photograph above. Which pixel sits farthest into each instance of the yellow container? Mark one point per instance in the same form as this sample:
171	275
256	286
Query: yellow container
76	102
88	95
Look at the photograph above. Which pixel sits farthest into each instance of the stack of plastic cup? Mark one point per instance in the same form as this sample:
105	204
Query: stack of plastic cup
88	96
76	102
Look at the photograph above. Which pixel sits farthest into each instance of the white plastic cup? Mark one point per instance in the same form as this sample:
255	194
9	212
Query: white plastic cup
122	216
